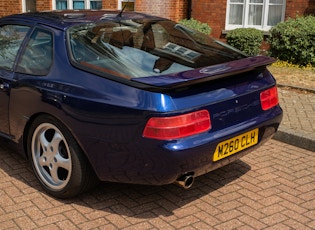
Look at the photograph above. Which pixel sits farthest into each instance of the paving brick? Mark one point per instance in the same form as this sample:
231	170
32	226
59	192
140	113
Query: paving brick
10	224
160	224
186	211
66	224
17	207
252	222
185	221
295	225
271	188
273	219
251	212
208	218
97	223
25	222
50	220
201	225
34	213
301	218
143	225
119	221
229	215
231	224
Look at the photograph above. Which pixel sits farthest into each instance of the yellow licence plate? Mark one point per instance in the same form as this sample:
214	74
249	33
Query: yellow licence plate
235	144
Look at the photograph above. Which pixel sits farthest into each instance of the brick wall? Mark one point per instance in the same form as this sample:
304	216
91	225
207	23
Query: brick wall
10	7
42	5
299	7
110	4
211	12
172	9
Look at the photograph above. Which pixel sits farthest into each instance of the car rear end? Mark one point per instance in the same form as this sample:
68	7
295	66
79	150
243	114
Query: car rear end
216	122
201	104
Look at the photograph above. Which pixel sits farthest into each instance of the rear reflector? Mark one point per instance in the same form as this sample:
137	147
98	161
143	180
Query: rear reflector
169	128
269	98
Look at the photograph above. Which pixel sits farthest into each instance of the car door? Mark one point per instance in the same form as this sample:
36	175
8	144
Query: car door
11	39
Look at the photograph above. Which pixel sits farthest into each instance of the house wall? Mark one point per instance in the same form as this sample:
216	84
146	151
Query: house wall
110	4
299	7
42	5
211	12
214	12
10	7
172	9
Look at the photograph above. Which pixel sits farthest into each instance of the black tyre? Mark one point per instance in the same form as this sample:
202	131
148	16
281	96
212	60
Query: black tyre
57	160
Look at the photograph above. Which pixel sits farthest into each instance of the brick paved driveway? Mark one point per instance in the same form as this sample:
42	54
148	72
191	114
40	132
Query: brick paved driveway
273	187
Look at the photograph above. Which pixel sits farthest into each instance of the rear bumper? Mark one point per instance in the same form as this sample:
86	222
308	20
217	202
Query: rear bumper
162	162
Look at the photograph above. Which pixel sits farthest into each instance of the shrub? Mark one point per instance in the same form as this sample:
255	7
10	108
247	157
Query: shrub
247	40
285	64
294	41
196	25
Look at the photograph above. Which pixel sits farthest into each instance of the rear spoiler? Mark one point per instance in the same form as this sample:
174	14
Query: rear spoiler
209	73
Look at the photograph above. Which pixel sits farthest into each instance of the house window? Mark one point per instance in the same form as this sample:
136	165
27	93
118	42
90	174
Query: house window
128	5
259	14
77	4
96	4
61	4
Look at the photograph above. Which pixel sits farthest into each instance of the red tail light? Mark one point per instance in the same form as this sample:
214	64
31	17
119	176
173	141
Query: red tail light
269	98
168	128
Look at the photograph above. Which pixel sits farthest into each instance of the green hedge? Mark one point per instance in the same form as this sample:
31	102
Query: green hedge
196	25
248	40
294	41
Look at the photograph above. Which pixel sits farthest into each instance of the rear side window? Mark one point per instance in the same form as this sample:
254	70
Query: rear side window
11	38
38	55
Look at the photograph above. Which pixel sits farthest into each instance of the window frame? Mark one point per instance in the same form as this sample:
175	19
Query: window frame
87	4
245	15
33	35
121	1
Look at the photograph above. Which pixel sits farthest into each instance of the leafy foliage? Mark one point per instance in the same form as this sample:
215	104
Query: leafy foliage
5	43
196	25
294	41
285	64
247	40
8	36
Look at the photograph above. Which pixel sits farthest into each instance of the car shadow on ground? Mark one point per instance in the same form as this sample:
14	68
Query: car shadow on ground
138	201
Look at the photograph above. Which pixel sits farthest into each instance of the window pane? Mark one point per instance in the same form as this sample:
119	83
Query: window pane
256	1
236	15
255	15
129	6
236	1
37	57
77	5
276	1
96	5
274	17
61	5
11	38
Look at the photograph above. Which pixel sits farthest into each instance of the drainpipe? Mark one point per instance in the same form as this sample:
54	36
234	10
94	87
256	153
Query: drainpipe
189	9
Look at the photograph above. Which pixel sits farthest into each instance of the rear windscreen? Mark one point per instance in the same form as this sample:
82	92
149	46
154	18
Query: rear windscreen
141	48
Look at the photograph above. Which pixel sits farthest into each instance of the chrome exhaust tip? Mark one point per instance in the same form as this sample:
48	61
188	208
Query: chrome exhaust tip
186	180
